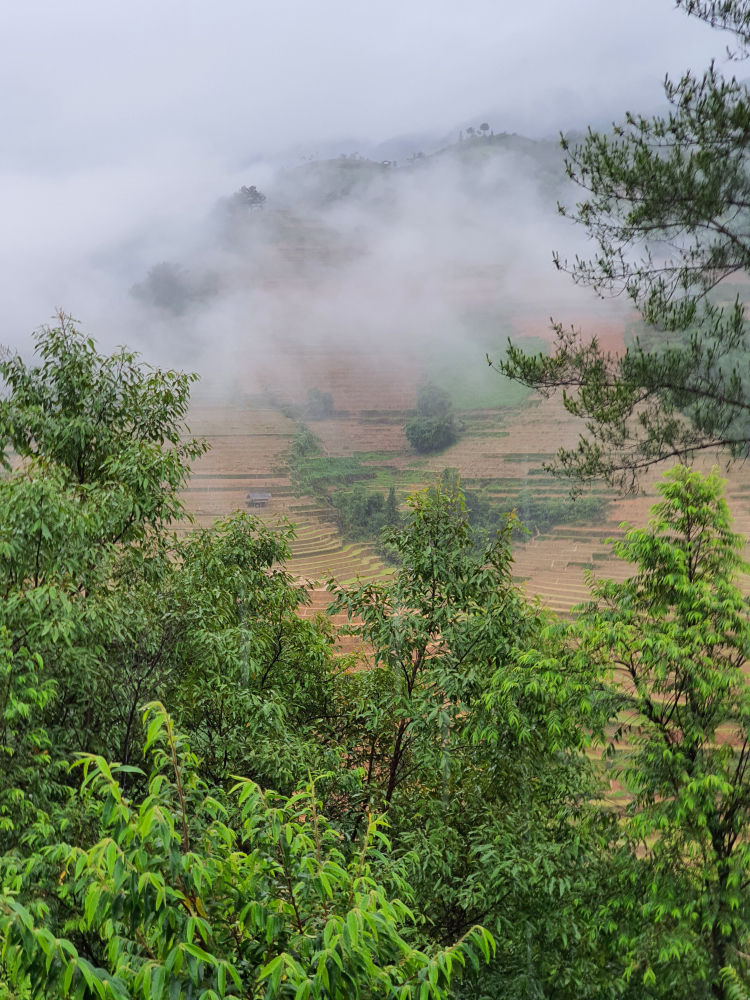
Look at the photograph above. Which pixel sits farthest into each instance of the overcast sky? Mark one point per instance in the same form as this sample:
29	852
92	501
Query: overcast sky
86	82
119	118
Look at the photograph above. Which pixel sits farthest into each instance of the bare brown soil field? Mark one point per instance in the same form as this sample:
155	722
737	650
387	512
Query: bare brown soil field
357	379
362	435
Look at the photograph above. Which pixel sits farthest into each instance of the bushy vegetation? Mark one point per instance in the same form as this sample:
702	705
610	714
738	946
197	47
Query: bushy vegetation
313	473
247	199
362	513
170	287
528	514
434	428
536	515
319	404
365	513
304	445
201	798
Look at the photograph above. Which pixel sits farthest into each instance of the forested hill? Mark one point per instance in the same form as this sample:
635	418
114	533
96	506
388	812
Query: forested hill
477	202
321	183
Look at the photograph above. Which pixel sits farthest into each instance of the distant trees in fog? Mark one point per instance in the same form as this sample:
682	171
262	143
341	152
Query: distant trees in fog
476	133
170	286
319	404
248	199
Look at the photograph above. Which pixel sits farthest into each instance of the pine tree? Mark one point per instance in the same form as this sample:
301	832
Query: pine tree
679	187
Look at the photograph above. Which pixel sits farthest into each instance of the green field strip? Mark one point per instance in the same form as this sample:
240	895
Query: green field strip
239	475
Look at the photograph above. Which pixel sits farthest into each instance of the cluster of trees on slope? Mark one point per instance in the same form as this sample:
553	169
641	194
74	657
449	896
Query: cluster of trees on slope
199	799
434	427
169	286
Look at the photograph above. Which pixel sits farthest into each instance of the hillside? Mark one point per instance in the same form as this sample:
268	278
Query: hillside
322	183
499	454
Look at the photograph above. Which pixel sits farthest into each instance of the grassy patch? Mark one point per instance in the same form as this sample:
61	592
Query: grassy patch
314	473
527	456
375	456
463	371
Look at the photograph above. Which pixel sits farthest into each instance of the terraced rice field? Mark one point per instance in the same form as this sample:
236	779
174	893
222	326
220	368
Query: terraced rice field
247	447
500	451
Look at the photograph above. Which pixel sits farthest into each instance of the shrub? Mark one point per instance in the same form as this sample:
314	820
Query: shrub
247	199
290	410
304	443
319	404
170	287
364	513
535	515
434	426
430	434
433	401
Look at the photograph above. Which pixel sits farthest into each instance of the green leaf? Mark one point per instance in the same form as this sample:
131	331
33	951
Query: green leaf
353	927
158	980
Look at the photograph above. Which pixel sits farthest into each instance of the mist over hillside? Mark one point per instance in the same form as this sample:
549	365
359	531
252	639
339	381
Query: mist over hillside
381	263
357	255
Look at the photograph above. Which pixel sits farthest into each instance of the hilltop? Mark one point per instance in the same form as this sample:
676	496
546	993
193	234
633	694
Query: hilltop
320	184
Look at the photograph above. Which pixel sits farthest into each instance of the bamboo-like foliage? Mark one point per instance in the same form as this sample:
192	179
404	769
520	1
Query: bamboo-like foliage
187	895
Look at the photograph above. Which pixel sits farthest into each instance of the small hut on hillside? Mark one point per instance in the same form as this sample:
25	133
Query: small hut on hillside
257	499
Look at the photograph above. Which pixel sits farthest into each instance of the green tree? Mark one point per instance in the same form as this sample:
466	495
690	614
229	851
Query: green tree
434	427
422	624
392	516
665	200
478	756
362	511
668	649
97	416
189	894
119	609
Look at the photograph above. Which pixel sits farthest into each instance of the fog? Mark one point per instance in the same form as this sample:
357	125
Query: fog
127	128
369	265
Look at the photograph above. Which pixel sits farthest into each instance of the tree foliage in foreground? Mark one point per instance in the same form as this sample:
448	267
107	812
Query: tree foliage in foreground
120	609
668	649
193	894
666	200
105	609
492	795
157	862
